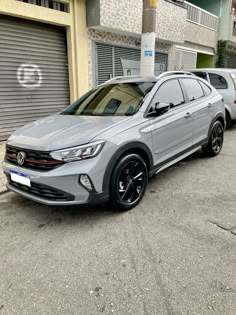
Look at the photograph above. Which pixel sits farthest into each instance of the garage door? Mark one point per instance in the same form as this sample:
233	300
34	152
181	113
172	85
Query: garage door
113	61
33	72
185	59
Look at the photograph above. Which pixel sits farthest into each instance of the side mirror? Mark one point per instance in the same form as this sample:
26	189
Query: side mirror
161	108
158	109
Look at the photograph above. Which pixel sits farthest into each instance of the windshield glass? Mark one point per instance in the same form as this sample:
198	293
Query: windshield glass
123	99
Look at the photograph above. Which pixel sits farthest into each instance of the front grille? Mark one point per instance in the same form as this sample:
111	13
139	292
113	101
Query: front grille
35	160
43	191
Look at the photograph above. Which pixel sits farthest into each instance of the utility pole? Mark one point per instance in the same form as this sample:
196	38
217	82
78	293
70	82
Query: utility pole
148	38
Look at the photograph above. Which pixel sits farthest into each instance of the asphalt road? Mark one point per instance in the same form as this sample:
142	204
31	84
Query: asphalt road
173	254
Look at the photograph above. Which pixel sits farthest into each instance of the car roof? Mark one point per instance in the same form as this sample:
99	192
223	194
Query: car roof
228	70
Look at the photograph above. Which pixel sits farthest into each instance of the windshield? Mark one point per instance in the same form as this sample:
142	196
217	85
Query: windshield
123	99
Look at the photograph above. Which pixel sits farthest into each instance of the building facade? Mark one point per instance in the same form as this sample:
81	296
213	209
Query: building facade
226	11
44	59
186	37
114	37
52	51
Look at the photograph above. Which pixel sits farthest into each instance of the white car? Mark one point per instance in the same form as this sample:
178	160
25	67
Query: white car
224	80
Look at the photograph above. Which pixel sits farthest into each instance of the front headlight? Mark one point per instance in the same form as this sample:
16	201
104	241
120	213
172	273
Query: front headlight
82	152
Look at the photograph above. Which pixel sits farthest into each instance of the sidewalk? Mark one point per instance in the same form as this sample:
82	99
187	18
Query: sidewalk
2	176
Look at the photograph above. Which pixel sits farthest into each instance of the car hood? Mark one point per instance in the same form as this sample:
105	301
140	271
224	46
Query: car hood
62	131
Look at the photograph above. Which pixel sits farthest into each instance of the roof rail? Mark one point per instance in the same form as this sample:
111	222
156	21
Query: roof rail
123	78
164	74
167	73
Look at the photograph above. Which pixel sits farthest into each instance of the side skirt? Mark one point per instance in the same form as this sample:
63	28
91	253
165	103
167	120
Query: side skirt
176	159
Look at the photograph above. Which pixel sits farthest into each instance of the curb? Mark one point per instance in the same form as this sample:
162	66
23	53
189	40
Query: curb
4	192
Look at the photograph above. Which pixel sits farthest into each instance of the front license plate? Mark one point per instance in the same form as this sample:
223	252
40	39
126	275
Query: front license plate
20	178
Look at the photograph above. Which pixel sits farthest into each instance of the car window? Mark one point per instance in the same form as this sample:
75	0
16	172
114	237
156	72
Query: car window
205	88
202	75
170	92
193	89
218	81
122	99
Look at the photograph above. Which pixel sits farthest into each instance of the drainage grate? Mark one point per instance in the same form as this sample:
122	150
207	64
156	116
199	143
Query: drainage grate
51	4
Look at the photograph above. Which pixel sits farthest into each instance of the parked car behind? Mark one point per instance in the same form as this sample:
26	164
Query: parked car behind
224	80
107	144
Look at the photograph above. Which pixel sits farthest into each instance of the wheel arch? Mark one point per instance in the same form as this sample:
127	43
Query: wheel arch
228	110
220	117
133	147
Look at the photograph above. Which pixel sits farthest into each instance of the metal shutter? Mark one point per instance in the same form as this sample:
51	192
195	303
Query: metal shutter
109	64
127	53
33	72
185	59
104	61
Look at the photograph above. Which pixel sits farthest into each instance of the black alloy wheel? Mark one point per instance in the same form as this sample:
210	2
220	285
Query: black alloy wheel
128	182
216	141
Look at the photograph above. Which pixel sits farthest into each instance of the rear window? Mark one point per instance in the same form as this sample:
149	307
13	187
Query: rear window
193	89
202	75
218	81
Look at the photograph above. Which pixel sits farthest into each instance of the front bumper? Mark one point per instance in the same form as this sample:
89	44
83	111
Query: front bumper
62	182
94	198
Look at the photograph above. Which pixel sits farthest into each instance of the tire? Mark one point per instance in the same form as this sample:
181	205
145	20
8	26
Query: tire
128	182
216	140
228	120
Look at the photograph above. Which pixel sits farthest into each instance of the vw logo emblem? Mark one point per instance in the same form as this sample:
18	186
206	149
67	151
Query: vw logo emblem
21	158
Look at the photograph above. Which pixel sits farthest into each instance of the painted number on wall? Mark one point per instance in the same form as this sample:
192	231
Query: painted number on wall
153	3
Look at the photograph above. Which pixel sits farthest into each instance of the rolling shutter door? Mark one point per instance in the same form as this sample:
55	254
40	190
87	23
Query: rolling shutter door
109	61
104	63
34	72
185	59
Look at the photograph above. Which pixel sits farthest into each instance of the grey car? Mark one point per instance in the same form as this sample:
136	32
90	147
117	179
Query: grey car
105	146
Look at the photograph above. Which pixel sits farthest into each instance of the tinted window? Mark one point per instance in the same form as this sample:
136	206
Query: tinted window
202	75
171	93
218	81
193	89
205	88
122	99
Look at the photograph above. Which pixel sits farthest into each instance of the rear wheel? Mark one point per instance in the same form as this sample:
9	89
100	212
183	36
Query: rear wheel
128	182
216	140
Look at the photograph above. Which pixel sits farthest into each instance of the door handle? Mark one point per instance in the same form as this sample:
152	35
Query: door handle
209	105
188	115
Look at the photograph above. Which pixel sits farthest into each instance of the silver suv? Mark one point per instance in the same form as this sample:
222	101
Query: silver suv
107	144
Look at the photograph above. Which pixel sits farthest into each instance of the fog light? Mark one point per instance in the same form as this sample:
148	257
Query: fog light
86	182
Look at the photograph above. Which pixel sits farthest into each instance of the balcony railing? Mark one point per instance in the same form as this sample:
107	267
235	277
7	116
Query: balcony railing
201	17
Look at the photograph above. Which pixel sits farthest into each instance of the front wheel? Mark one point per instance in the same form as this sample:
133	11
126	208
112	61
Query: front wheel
128	182
216	140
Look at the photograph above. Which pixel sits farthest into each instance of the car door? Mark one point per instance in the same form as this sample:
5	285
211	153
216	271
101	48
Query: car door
199	97
172	131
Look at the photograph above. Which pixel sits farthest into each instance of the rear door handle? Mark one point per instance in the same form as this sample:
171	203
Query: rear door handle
188	115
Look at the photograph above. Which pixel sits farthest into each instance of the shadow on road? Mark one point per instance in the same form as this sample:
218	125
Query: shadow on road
57	215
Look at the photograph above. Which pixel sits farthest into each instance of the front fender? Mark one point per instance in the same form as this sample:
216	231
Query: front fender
117	155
